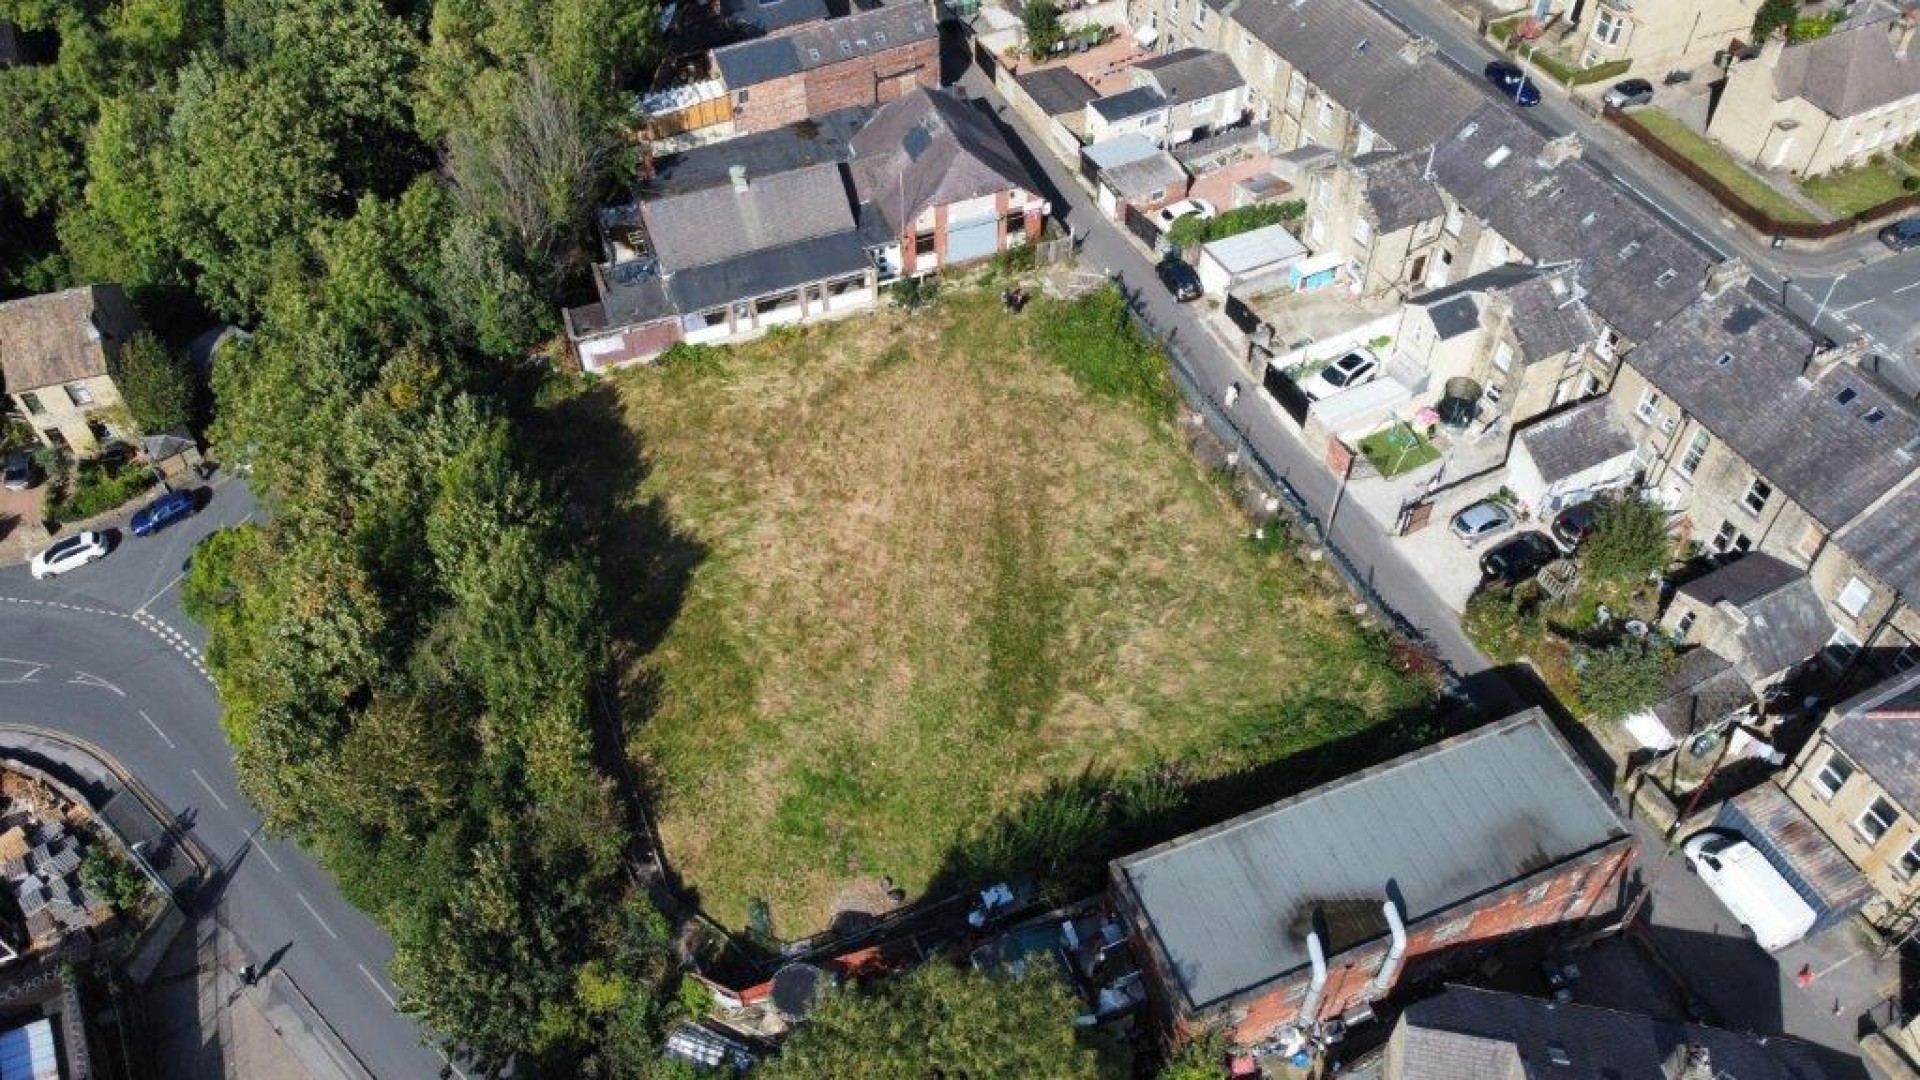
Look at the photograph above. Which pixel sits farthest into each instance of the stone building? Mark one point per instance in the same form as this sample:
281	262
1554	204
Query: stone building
867	58
56	351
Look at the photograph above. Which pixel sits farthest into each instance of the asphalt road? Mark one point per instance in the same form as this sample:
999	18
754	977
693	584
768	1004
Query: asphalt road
104	653
1879	297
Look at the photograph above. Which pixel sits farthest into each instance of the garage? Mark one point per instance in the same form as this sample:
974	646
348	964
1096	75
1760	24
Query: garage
969	240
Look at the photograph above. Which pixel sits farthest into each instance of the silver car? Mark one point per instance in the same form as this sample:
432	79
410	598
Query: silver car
1481	520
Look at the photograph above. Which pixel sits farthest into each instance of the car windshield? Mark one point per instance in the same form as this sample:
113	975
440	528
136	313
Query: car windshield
70	544
1335	375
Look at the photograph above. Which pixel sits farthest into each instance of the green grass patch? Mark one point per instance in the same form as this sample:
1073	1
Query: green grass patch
1722	166
935	594
1849	191
1398	449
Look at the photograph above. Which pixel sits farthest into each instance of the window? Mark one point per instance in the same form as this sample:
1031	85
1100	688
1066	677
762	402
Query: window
1296	92
79	394
1538	892
1608	27
1833	774
1362	233
1649	406
1685	624
1016	223
55	438
1199	16
1905	659
1730	538
1325	117
1880	817
1245	48
740	98
1909	861
775	302
1364	142
1203	107
32	403
1696	452
714	317
1840	648
1855	597
1757	495
1270	64
1502	356
1456	220
923	243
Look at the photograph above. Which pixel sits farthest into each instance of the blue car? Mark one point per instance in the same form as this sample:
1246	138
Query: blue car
162	512
1513	84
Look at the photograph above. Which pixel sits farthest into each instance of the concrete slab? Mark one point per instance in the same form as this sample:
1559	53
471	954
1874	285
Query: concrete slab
203	1022
1216	187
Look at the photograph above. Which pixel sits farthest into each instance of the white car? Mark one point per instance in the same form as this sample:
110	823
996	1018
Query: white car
1354	369
1199	208
1751	887
75	551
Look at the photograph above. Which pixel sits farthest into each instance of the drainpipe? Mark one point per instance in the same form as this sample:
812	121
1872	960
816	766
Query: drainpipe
1396	949
1310	1006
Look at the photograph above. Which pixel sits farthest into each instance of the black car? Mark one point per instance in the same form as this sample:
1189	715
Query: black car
1574	524
1179	278
1519	558
1513	84
19	475
1902	234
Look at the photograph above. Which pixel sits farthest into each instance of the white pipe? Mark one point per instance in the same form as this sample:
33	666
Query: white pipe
1390	966
1310	1006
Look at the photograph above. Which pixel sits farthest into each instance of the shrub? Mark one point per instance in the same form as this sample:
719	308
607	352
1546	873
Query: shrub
112	878
914	292
156	384
1623	678
1629	542
1041	20
95	487
1191	231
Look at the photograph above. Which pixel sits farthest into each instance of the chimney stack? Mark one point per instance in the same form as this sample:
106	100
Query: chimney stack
1847	352
1417	49
1563	149
1727	274
1901	29
739	175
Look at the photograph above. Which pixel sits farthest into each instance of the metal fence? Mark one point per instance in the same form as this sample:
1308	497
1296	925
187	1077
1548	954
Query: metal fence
1251	467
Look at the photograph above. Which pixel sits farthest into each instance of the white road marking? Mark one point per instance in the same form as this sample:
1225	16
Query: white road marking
163	591
264	853
157	731
32	670
209	787
83	679
302	897
1908	286
391	1003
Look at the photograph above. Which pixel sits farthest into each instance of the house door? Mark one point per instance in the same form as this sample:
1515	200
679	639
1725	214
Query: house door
1419	272
969	240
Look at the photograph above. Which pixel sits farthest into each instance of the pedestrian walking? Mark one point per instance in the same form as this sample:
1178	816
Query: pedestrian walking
249	975
1233	394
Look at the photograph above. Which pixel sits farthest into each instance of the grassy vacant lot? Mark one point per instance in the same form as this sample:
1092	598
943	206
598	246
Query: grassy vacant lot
933	562
1850	191
1710	156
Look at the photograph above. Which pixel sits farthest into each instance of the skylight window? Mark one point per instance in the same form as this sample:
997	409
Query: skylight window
1666	276
1873	416
1723	359
1628	251
1845	396
1494	159
1468	132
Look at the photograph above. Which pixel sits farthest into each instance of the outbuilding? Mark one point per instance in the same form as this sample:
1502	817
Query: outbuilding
1250	263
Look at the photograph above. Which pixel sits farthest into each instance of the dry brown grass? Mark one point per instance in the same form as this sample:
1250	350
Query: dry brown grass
937	574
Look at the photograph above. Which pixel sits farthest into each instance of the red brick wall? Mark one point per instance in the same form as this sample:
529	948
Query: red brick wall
642	342
876	78
1563	895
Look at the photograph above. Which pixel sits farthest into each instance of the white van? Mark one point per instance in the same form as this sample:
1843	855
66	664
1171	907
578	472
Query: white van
1751	887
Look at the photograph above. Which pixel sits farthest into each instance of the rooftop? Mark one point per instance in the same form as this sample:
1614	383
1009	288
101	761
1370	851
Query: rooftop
1128	104
931	148
1483	1034
1255	248
1228	907
1831	437
816	140
52	338
1185	75
1779	619
1704	687
715	224
1880	731
1853	70
1398	190
1057	90
1575	439
1882	538
818	44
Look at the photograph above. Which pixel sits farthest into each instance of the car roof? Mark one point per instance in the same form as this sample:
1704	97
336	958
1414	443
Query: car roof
1633	84
1484	509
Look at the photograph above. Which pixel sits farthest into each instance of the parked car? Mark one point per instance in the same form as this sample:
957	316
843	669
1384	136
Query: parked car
1513	84
1357	368
1573	525
1519	558
1199	208
1751	887
1902	234
19	475
163	511
1481	520
1179	278
75	551
1629	92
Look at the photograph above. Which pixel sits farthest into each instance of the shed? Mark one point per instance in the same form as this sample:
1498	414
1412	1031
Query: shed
1132	169
1357	411
1568	456
1249	263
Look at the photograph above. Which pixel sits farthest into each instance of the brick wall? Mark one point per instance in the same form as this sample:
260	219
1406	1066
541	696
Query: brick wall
874	79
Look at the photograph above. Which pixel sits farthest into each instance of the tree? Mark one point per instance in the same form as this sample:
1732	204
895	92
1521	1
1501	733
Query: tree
1629	542
1041	20
156	384
1623	678
112	878
1774	15
1201	1057
528	161
941	1022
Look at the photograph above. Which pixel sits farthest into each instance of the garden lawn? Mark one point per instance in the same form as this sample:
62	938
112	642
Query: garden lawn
1715	160
1398	449
1850	191
941	562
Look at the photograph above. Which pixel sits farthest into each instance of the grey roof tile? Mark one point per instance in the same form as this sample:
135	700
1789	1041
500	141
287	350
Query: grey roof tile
1886	539
1704	687
1850	71
767	270
1575	439
1057	90
1781	622
1126	104
1227	906
817	140
932	148
1398	190
1185	75
1879	730
819	44
1832	443
50	339
718	224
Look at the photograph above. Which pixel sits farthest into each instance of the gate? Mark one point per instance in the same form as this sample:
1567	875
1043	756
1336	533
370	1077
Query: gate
1142	226
1414	517
1286	393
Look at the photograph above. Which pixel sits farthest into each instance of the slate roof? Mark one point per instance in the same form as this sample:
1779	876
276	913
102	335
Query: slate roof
819	44
767	270
1128	104
1883	539
1850	71
1185	75
931	148
716	224
1141	177
1781	620
1454	316
50	339
1879	730
1397	190
1352	52
1227	909
817	140
1550	316
1638	271
1057	90
1820	450
1703	687
1471	1034
1574	440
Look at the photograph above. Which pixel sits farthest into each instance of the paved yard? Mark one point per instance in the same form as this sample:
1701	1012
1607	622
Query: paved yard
1216	187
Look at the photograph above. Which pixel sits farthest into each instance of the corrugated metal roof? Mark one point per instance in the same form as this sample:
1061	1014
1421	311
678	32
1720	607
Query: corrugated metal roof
27	1052
1269	246
1229	907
